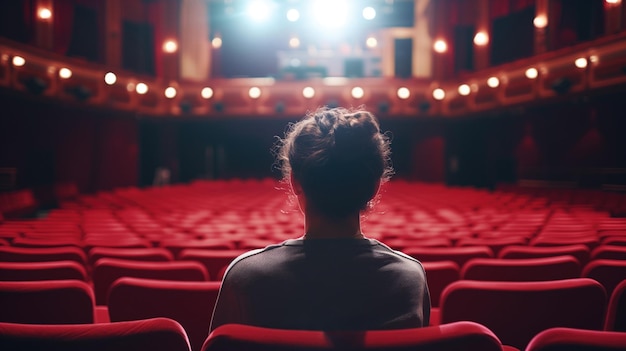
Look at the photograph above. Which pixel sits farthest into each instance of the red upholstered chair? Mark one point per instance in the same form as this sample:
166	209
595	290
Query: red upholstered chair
107	270
29	254
609	252
215	261
46	242
116	240
581	252
189	303
517	311
496	244
50	270
46	302
608	272
524	269
158	334
570	339
178	245
460	255
589	241
154	254
616	312
466	336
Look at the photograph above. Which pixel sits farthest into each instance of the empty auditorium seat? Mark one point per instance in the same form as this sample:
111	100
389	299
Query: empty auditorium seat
409	242
589	241
107	270
154	254
460	255
215	261
614	240
571	339
581	252
50	270
616	311
517	311
495	244
523	269
157	334
46	302
608	272
29	254
176	246
118	240
46	242
189	303
609	252
466	336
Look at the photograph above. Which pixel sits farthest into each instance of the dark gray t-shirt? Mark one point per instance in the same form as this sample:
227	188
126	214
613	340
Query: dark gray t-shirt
324	284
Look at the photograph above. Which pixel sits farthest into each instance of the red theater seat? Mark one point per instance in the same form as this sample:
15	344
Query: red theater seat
609	252
178	245
588	241
45	242
460	255
616	312
570	339
154	254
29	254
440	274
495	244
581	252
526	269
107	270
517	311
51	270
215	261
46	302
466	336
608	272
158	334
189	303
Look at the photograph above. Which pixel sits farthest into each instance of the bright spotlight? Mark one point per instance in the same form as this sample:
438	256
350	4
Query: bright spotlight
110	78
206	93
254	93
18	61
493	82
330	13
440	46
357	92
141	88
308	92
532	73
540	21
439	94
464	89
371	42
44	13
170	92
216	42
581	62
481	39
403	93
170	46
293	15
294	42
369	13
258	10
65	73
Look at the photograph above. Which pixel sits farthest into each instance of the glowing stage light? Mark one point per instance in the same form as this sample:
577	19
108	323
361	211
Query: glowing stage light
293	15
141	88
357	92
581	62
369	13
403	93
206	93
18	61
216	42
259	10
613	2
371	42
464	89
439	94
254	93
170	92
170	46
481	39
44	13
308	92
493	82
65	73
532	73
540	21
110	78
440	46
294	42
330	13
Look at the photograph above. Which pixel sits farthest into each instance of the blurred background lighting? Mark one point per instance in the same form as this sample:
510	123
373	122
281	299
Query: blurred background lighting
18	61
403	93
481	39
294	42
44	13
170	46
293	15
170	92
141	88
65	73
110	78
206	93
258	10
581	62
308	92
493	82
540	21
439	94
532	73
254	93
216	42
440	46
371	42
464	89
369	13
357	92
330	13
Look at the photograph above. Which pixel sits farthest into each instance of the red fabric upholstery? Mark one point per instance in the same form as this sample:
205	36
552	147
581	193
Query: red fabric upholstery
569	339
51	270
495	244
158	334
28	254
616	312
525	269
178	245
154	254
581	252
107	270
440	274
609	252
189	303
516	311
215	261
46	302
460	255
45	242
589	241
608	272
454	336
